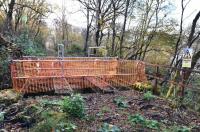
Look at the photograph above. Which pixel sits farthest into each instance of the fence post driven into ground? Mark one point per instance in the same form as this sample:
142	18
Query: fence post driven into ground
182	83
155	87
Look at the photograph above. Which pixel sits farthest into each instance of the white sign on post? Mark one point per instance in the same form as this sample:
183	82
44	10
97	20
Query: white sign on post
187	57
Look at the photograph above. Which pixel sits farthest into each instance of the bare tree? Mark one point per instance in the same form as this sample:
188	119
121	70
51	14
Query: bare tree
152	34
89	22
191	39
14	11
124	27
62	26
180	33
147	27
118	8
101	10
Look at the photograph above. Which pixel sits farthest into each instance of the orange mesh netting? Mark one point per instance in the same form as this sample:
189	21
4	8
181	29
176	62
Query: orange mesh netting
32	75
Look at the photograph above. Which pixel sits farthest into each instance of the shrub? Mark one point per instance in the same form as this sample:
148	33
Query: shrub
29	46
74	106
148	96
136	119
140	120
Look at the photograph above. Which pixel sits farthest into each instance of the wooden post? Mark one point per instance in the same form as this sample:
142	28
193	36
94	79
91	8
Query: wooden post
183	83
155	88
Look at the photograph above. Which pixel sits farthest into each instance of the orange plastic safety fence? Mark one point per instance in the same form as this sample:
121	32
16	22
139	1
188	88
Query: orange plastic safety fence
33	75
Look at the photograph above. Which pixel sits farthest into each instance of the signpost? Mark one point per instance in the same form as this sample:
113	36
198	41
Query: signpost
186	63
187	57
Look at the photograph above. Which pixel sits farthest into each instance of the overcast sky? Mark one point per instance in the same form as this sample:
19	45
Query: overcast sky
76	17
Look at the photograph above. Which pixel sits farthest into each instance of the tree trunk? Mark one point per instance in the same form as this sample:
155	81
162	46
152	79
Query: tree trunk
87	32
123	28
108	39
98	23
180	34
113	28
101	37
8	22
190	42
153	32
192	32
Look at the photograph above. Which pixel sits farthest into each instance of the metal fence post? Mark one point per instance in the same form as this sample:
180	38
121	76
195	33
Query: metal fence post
61	56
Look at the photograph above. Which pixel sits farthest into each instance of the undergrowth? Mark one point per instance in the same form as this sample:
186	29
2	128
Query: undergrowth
142	86
109	128
138	121
177	129
120	102
74	106
148	96
144	123
59	120
54	121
